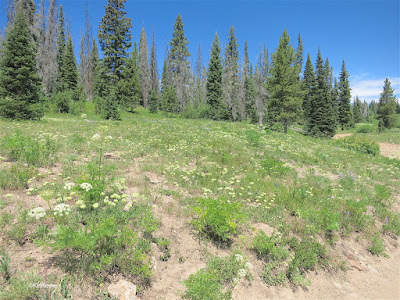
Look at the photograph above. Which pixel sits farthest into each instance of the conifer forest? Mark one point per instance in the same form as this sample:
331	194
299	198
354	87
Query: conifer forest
238	177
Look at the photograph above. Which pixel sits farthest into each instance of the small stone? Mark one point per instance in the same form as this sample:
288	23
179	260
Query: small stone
356	265
122	290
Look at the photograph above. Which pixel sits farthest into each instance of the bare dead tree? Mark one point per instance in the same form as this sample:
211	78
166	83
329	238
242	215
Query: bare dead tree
86	69
144	67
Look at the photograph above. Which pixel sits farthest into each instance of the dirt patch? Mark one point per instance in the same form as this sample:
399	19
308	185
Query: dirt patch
390	150
341	135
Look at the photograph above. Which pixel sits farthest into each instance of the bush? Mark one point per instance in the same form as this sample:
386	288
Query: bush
219	219
269	248
20	110
365	129
359	144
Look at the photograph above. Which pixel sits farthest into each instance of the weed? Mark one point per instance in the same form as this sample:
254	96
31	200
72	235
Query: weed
273	275
269	248
5	266
377	247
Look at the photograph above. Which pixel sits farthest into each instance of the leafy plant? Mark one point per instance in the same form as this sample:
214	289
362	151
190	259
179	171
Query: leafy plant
359	144
269	248
5	266
377	247
218	218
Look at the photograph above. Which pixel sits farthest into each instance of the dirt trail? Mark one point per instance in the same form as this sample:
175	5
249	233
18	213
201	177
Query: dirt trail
386	149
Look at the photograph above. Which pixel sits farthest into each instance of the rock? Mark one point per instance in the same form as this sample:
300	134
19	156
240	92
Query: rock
111	155
356	265
153	178
122	290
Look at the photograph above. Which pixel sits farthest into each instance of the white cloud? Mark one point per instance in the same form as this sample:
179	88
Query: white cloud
370	89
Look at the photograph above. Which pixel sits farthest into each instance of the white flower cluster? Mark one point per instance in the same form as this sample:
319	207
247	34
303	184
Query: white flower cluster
242	273
96	137
62	209
37	213
69	186
239	258
83	116
81	204
86	186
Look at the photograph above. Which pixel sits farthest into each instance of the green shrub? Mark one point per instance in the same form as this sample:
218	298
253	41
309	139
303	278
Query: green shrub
359	144
269	248
204	286
365	129
273	275
308	255
377	247
218	218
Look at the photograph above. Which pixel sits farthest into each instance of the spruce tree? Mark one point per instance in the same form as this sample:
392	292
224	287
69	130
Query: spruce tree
217	110
323	117
115	40
285	103
308	86
357	110
61	45
231	76
178	65
70	72
154	77
335	100
387	107
19	81
130	84
299	55
345	116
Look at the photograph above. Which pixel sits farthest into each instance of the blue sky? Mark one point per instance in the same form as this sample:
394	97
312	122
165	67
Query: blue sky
365	33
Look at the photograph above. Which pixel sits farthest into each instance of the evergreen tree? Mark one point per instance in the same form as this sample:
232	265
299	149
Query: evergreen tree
61	45
335	100
19	81
285	103
129	85
70	72
299	55
308	86
345	117
323	116
231	76
357	110
178	65
387	107
249	88
154	79
153	102
115	40
145	79
217	110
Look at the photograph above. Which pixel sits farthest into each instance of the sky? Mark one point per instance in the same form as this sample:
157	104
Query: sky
364	33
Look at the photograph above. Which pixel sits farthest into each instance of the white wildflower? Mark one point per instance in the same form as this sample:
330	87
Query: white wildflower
239	258
69	186
242	273
86	186
96	137
37	213
62	209
83	116
249	265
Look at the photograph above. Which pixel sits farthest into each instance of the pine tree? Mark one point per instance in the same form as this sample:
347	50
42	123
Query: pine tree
19	81
217	110
61	45
345	117
357	110
308	85
323	117
285	103
154	79
387	107
115	40
335	101
130	84
299	55
70	72
249	88
178	65
231	76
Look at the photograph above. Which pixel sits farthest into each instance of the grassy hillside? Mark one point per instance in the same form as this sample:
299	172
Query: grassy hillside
246	196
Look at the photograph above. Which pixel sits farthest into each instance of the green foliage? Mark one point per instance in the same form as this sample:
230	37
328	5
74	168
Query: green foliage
274	167
110	107
5	266
218	218
377	247
19	81
38	151
285	103
273	275
269	248
387	107
365	129
16	177
21	286
69	72
218	279
345	116
153	102
359	144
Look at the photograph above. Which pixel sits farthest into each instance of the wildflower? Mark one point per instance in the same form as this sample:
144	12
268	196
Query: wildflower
62	209
83	116
96	205
86	186
239	258
9	196
37	213
96	137
242	273
68	186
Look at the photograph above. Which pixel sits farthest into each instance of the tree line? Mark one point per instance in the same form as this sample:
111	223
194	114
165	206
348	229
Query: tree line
38	69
